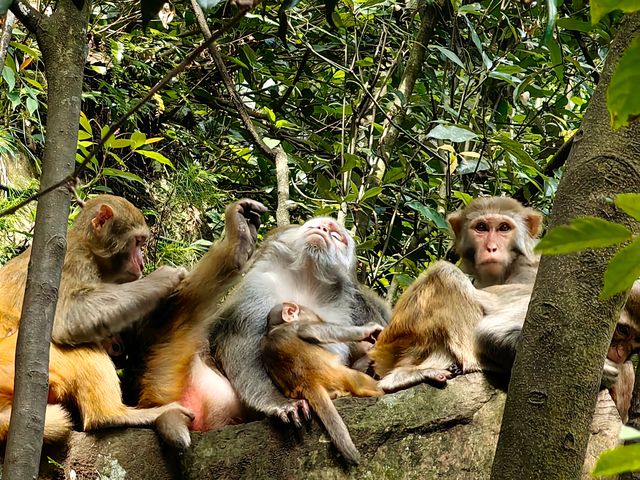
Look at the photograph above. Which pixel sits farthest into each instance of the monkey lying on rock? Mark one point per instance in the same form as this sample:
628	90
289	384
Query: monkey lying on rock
303	369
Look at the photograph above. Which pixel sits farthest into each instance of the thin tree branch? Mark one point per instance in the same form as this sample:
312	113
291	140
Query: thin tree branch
28	16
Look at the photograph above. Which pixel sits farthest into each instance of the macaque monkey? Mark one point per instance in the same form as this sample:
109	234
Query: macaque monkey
430	336
313	265
101	293
296	362
625	342
171	348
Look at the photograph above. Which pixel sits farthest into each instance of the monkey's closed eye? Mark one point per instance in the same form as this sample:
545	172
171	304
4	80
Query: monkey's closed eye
337	236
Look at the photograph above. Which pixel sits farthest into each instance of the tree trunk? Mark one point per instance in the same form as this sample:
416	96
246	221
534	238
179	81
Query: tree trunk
557	370
62	39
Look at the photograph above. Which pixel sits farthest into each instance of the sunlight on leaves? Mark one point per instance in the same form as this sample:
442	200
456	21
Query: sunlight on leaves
623	270
599	8
581	233
618	460
623	101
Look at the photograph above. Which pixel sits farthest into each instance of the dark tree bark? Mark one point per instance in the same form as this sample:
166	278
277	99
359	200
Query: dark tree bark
557	370
62	40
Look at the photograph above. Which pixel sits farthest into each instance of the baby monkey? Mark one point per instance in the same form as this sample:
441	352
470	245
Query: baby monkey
303	369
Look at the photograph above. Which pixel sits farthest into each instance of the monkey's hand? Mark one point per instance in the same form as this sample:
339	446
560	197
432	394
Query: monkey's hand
291	412
609	374
168	277
242	221
372	331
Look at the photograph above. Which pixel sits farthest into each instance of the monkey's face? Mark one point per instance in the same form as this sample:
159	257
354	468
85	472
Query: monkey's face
493	236
327	240
118	236
626	340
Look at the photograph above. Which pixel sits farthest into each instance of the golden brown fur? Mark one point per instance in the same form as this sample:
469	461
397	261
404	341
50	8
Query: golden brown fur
306	371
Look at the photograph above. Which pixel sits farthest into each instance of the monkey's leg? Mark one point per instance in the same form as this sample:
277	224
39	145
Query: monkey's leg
622	390
57	424
404	377
96	388
463	350
361	384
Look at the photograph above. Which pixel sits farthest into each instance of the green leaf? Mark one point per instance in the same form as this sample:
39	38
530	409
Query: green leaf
449	54
9	76
429	213
622	271
113	172
137	140
120	143
555	52
623	101
372	192
581	233
599	8
515	149
618	460
451	133
157	156
569	23
628	433
32	104
552	7
84	123
629	203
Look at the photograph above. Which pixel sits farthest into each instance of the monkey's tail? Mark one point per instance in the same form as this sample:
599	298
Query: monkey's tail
321	403
57	424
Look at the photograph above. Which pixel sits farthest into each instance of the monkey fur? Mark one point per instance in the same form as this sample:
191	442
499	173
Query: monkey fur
302	369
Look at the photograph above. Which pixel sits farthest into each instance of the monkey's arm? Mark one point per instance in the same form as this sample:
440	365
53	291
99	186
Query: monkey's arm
241	359
369	307
330	333
93	313
222	264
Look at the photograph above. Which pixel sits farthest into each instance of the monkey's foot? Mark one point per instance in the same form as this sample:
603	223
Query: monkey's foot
291	412
404	377
455	369
173	427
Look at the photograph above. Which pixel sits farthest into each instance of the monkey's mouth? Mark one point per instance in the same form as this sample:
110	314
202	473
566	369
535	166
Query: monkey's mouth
318	238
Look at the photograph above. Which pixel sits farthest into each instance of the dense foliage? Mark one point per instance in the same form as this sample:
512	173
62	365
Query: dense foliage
493	103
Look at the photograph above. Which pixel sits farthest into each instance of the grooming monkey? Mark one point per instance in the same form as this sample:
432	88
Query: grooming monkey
312	265
101	293
430	336
295	360
170	360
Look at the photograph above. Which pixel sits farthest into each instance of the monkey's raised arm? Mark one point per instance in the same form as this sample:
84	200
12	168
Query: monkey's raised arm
314	332
91	314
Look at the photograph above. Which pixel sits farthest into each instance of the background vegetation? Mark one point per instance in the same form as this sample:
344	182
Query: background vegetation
494	101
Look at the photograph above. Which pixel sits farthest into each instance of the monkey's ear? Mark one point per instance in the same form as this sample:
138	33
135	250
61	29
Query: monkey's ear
455	220
290	312
534	222
105	212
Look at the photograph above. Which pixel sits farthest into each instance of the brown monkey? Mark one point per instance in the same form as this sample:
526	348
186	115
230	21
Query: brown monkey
101	293
172	358
625	342
311	264
303	370
430	336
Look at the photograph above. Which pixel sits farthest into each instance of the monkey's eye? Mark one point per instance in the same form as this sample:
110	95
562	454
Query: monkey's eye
622	330
336	236
481	227
504	227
